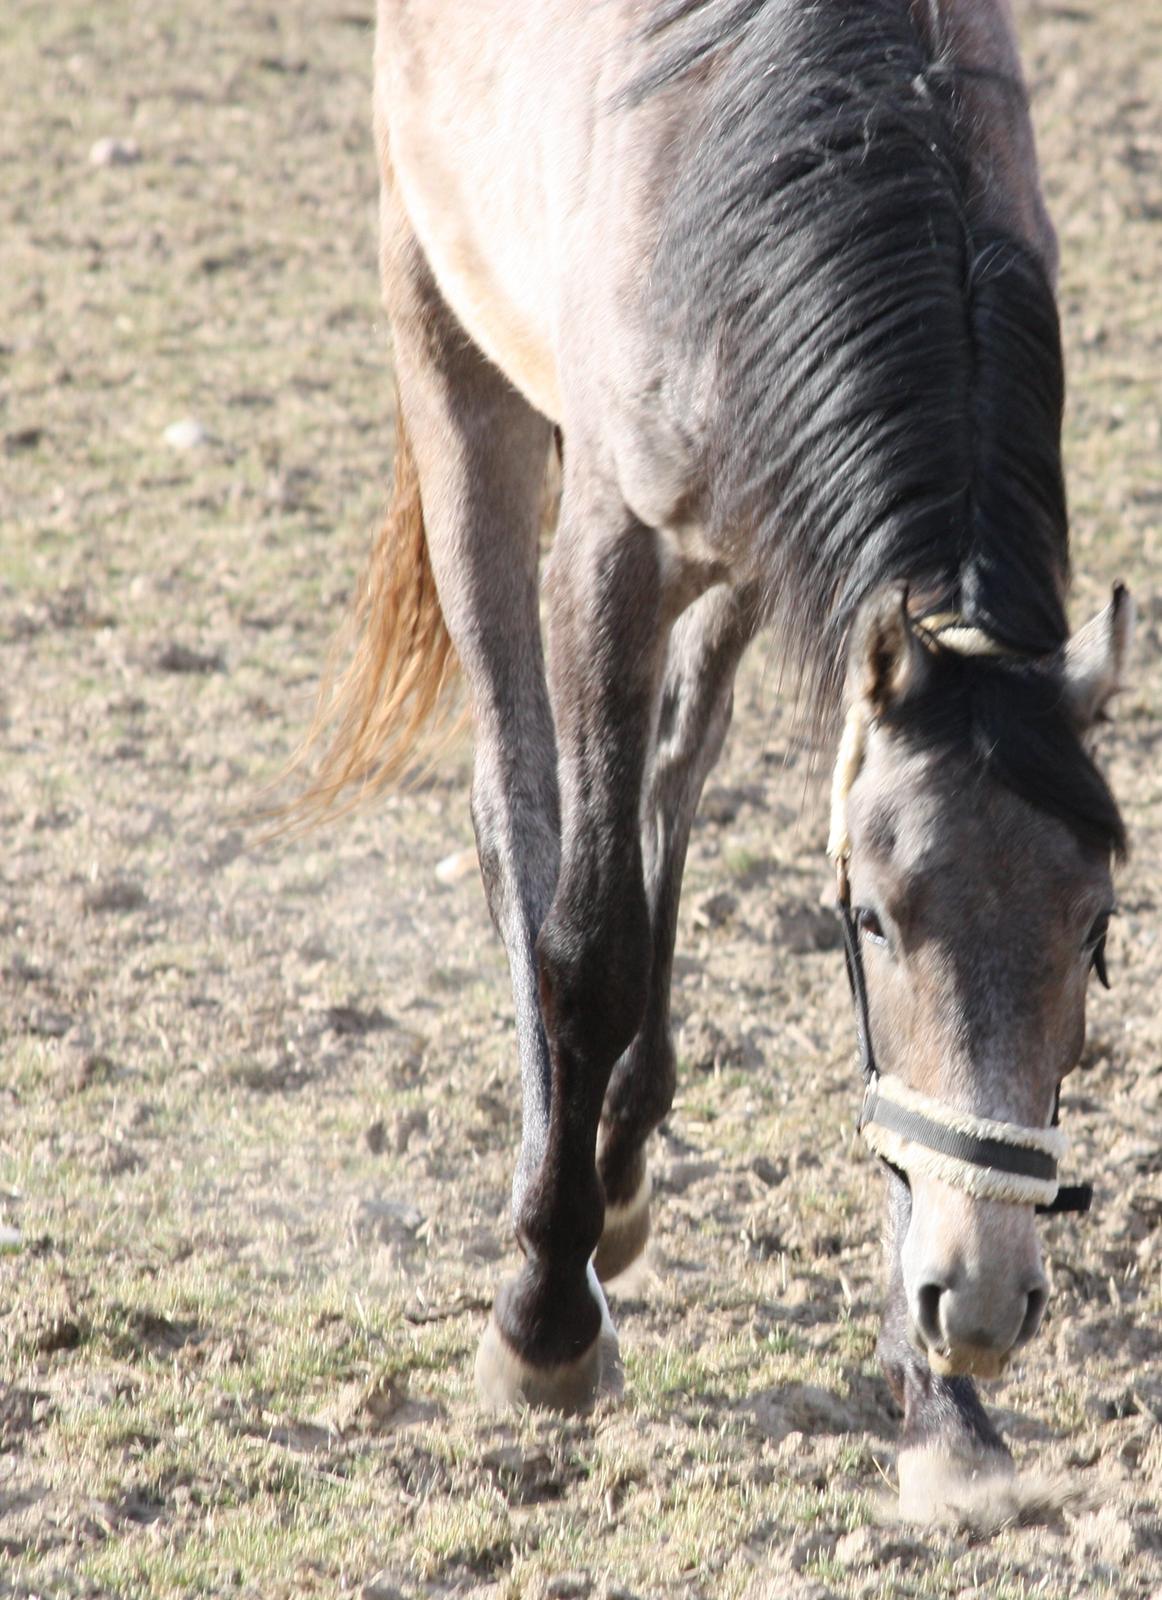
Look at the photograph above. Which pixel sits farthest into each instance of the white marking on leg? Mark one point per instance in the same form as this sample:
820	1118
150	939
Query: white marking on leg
598	1294
618	1214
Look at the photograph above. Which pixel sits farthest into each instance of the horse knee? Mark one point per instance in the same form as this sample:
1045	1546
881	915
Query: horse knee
594	980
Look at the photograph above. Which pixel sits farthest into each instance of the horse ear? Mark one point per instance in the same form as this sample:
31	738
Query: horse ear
1096	659
886	661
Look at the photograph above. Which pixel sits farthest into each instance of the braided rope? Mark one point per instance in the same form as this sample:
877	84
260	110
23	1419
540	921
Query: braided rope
848	761
949	631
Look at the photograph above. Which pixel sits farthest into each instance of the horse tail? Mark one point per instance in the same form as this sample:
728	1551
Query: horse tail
392	673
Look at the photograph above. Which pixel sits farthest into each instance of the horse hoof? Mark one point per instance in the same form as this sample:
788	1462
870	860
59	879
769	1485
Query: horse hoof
941	1486
505	1380
626	1231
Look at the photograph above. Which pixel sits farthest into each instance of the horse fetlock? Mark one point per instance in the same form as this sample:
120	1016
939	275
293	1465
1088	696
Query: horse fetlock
506	1381
550	1313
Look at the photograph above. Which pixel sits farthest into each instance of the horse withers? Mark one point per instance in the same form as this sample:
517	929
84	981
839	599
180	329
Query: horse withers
780	275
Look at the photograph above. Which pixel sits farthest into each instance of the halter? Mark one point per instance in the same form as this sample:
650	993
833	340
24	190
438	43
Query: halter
912	1132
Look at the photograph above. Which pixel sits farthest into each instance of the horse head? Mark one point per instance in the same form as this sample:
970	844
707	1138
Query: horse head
975	840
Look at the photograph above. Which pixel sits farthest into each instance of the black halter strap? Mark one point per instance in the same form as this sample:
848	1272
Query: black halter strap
853	957
990	1154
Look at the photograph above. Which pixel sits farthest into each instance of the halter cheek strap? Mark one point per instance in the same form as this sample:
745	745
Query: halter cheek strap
915	1133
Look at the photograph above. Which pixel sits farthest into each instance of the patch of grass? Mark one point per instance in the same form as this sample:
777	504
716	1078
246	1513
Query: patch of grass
454	1537
668	1373
741	862
782	1342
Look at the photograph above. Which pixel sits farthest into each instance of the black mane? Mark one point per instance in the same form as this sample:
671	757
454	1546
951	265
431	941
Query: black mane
888	379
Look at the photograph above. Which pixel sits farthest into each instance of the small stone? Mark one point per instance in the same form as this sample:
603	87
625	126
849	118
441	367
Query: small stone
454	868
111	152
23	439
186	434
375	1137
49	1024
405	1125
21	970
21	1410
715	910
11	1240
352	1020
770	1173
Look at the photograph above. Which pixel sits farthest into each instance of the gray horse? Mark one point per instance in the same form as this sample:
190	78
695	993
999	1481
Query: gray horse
777	276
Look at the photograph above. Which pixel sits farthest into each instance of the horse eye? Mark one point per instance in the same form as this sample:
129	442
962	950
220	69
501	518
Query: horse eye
1095	943
868	923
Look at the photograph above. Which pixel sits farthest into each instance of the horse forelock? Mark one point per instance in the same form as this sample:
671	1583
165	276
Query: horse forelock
1012	721
889	391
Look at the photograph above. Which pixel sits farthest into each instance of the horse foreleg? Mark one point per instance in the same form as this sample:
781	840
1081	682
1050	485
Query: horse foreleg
480	451
550	1341
949	1450
692	720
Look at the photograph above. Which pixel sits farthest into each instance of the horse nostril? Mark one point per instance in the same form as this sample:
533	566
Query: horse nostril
1034	1311
928	1314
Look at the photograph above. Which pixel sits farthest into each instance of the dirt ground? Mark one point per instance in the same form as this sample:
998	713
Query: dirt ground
259	1105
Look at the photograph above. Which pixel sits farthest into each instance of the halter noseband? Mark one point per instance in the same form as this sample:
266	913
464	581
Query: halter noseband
912	1132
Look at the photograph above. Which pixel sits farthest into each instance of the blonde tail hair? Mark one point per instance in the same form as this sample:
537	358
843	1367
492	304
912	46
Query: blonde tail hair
400	670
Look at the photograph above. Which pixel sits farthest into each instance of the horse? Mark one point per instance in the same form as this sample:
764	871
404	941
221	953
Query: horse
777	277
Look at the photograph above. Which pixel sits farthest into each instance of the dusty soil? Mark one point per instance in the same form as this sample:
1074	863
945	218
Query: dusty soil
259	1104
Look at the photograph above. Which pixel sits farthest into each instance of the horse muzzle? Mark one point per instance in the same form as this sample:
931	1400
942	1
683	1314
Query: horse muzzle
974	1278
